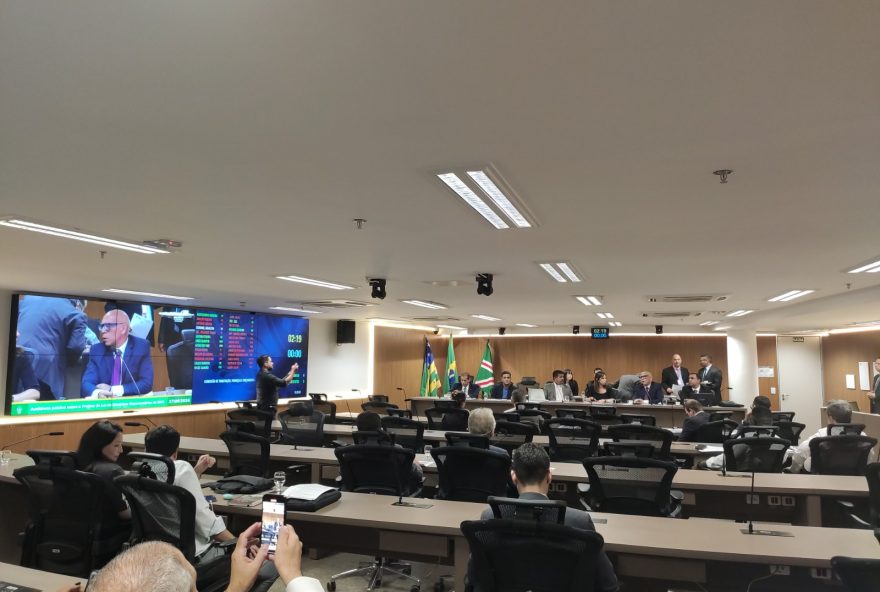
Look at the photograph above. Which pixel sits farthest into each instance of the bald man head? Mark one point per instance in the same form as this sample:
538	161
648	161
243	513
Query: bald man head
153	566
114	328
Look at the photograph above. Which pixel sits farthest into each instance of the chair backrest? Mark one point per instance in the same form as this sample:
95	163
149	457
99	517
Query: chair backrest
465	439
510	435
782	416
790	430
714	431
378	398
857	575
407	432
369	468
527	405
260	420
602	410
318	397
637	418
659	438
719	415
837	429
405	413
62	458
328	408
540	510
450	419
376	437
572	413
445	403
629	485
160	512
248	453
759	454
154	466
519	555
572	440
68	510
629	448
755	431
872	474
469	474
846	454
705	399
300	429
510	416
380	407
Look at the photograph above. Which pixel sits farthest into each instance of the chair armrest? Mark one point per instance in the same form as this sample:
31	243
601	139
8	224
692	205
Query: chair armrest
677	495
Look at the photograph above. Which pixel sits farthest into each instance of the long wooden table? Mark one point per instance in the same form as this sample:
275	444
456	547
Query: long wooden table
33	578
796	499
694	550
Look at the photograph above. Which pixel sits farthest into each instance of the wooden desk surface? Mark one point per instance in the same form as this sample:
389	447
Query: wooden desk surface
18	460
32	578
780	483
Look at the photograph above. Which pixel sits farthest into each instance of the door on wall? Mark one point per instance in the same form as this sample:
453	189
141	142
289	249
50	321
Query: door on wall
800	379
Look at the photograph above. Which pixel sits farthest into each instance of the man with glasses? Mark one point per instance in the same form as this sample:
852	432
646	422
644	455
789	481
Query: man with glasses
647	391
120	364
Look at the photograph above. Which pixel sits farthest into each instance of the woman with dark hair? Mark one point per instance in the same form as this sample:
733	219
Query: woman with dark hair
599	389
99	449
572	383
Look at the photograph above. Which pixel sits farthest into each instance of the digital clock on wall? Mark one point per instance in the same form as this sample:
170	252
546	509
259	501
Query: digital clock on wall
600	332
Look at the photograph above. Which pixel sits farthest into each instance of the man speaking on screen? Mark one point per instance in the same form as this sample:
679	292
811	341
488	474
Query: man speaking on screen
120	364
268	384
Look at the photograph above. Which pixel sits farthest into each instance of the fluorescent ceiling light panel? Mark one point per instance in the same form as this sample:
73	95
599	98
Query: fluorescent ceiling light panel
526	325
568	271
604	315
869	268
497	196
295	310
424	304
311	282
153	294
472	199
789	296
452	327
739	313
81	236
709	323
485	317
589	300
722	328
615	324
551	271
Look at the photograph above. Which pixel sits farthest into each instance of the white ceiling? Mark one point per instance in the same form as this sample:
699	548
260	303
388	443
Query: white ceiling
255	132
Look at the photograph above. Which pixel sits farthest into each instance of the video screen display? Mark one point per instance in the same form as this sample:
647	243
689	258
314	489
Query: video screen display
71	354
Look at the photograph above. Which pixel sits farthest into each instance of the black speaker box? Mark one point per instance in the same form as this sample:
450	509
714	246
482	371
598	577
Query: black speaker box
344	332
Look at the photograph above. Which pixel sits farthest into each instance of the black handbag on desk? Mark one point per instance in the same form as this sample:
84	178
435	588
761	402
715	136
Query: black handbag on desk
304	505
242	484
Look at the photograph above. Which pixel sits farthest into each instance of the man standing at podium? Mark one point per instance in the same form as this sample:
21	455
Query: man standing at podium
268	384
120	365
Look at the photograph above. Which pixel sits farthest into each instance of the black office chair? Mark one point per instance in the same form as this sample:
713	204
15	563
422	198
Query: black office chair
789	430
521	555
404	413
630	485
507	416
162	511
248	453
605	415
639	419
659	439
374	437
857	575
380	407
528	405
782	416
468	474
628	448
715	432
251	419
450	419
840	455
572	440
705	399
407	432
445	403
179	360
55	458
71	530
571	413
757	431
872	519
541	510
719	415
300	427
510	435
759	454
383	470
378	398
536	417
838	429
465	439
328	408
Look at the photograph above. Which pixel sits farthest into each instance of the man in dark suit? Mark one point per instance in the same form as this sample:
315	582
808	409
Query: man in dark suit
530	472
120	365
696	417
647	391
466	385
710	376
693	388
675	375
874	396
504	389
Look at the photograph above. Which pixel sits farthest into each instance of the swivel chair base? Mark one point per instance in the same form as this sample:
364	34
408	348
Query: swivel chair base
375	570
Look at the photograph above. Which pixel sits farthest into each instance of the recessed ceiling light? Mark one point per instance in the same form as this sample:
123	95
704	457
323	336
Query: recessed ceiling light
568	271
497	196
452	327
722	328
81	236
295	310
553	272
709	323
526	325
791	295
739	313
485	317
604	315
153	294
562	272
472	199
311	282
589	300
424	304
615	324
873	267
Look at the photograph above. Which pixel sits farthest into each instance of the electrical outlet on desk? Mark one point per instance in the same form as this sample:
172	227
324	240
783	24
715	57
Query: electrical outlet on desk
780	570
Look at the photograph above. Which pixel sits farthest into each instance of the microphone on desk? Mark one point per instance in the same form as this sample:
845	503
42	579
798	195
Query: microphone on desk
5	446
137	424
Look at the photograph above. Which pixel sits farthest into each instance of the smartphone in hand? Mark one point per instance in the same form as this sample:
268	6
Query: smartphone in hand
273	519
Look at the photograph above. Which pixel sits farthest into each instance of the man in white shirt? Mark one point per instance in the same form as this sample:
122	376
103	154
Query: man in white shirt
838	411
557	390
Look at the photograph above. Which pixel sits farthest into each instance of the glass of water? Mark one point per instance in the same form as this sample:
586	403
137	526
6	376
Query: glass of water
279	478
5	457
428	451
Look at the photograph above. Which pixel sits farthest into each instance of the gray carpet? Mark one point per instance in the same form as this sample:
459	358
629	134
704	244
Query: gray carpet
337	562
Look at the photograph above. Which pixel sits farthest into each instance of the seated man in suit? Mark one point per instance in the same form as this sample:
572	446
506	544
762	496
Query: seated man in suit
481	422
693	388
504	389
647	391
557	390
466	385
674	376
120	365
696	417
530	472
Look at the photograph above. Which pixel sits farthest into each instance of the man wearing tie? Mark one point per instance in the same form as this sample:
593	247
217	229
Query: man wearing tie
675	375
710	376
120	365
467	386
875	395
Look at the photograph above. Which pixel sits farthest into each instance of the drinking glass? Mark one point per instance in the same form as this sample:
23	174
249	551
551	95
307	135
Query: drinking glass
279	478
5	457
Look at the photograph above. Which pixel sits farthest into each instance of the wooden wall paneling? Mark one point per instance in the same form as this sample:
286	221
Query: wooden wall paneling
841	355
767	357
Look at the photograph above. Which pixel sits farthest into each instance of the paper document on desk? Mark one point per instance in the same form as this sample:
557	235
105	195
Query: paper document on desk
712	449
306	491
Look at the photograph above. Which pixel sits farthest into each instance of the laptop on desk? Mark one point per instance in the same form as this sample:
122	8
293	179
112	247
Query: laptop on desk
536	395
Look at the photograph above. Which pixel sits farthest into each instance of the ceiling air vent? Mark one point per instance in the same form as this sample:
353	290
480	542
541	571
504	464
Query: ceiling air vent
434	319
336	304
670	315
687	299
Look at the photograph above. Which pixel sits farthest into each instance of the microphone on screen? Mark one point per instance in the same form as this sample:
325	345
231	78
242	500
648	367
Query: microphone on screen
5	446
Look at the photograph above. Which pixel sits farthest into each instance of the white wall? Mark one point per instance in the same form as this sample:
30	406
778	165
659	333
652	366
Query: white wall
336	369
5	306
742	366
800	379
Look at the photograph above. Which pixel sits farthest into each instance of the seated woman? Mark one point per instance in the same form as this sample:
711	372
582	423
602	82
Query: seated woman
600	391
99	449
